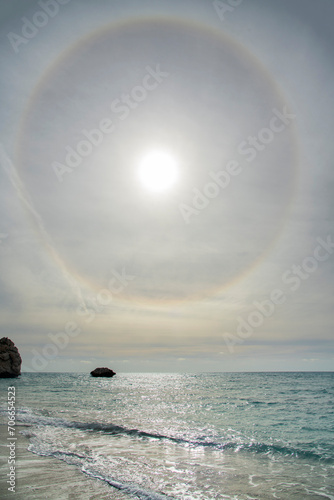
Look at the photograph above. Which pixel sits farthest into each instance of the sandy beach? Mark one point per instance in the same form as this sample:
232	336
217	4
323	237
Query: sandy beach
40	478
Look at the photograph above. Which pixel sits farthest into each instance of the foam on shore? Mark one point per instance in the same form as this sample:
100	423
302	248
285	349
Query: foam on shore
41	478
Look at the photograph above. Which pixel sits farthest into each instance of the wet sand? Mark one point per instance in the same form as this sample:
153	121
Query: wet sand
40	478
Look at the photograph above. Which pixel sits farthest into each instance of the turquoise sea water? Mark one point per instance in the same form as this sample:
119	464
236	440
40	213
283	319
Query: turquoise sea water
187	436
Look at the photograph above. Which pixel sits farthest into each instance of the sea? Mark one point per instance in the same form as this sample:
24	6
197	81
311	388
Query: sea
203	436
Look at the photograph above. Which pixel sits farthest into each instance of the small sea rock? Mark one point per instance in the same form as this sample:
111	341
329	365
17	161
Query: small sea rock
102	372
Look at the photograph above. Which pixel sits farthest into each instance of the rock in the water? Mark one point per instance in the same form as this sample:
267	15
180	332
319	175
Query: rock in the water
102	372
10	359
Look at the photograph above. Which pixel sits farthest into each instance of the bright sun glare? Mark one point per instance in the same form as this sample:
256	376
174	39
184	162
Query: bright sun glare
158	171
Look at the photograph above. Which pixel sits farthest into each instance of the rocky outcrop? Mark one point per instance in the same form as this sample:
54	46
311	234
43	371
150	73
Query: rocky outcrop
102	372
10	359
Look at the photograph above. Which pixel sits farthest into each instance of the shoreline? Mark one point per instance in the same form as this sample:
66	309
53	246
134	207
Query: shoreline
39	478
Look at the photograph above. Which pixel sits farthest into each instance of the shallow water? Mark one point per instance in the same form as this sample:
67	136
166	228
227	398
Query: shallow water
188	437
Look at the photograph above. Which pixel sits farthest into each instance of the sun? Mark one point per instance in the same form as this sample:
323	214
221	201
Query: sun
158	171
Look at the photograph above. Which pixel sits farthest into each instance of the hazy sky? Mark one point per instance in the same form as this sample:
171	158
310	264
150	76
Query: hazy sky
228	268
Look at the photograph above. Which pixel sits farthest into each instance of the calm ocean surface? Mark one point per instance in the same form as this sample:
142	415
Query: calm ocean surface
187	437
